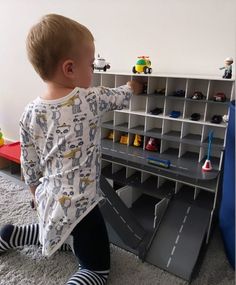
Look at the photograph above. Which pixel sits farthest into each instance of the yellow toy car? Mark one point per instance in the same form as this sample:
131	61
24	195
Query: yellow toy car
143	65
110	135
137	140
124	139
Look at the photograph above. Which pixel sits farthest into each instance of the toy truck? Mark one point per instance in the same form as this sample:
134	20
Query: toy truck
101	64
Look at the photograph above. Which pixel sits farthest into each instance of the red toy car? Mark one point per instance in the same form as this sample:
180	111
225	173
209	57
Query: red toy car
219	97
152	144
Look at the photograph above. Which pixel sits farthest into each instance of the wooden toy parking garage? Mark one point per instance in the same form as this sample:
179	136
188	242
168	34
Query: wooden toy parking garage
162	204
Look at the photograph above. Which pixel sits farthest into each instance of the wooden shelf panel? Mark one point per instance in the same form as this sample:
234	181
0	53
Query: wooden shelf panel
186	166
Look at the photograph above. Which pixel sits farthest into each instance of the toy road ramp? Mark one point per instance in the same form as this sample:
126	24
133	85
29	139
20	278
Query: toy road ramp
178	241
120	217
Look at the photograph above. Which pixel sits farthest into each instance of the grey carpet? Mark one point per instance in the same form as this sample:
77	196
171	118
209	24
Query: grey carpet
28	267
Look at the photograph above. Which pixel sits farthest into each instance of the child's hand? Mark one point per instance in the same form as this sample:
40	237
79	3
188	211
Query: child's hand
136	86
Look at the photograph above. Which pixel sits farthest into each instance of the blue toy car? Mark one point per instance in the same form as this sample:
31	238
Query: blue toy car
174	114
159	162
179	93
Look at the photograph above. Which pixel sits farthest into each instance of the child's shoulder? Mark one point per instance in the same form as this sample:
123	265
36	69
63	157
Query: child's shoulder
32	107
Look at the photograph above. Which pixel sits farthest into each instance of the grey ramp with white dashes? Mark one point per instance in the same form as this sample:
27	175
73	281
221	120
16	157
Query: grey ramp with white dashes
178	241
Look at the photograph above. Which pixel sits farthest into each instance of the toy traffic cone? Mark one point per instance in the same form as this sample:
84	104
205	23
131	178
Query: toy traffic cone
207	165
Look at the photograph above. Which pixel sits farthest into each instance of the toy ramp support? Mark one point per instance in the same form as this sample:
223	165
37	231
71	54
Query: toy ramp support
121	218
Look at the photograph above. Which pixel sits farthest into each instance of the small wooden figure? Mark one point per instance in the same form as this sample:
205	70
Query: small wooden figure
228	67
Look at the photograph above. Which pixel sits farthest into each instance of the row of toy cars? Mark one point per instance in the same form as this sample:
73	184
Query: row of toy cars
218	97
216	119
152	144
198	95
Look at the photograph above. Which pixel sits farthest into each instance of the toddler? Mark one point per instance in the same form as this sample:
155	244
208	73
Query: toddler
61	148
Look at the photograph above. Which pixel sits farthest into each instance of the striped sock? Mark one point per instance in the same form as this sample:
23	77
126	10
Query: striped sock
88	277
16	236
65	247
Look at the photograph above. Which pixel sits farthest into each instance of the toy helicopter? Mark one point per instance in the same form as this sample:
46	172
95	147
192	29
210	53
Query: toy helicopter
143	65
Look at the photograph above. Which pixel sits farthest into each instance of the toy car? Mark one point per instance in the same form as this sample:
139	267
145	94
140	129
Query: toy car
143	65
197	95
156	111
195	117
179	93
160	91
219	97
216	119
152	144
159	162
137	140
174	114
110	135
100	64
124	139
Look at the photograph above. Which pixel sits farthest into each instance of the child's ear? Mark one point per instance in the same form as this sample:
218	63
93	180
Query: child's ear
68	67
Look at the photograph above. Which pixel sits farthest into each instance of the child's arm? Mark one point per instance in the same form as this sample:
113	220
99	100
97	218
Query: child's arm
29	160
116	98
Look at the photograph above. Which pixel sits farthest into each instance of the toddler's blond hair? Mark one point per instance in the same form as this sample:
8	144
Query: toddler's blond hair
55	37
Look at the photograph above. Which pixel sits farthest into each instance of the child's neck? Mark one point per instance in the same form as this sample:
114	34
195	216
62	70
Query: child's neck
56	91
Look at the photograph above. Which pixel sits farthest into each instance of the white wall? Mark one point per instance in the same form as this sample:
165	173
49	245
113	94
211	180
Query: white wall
183	36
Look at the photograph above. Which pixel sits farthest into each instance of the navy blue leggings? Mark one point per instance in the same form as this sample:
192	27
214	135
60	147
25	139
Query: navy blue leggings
91	243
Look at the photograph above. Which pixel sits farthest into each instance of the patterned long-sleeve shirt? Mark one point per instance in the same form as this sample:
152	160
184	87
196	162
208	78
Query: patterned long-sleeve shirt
61	155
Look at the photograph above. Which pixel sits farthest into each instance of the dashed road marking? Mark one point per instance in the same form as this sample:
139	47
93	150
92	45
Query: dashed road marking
168	263
177	239
178	236
184	220
124	221
173	250
181	228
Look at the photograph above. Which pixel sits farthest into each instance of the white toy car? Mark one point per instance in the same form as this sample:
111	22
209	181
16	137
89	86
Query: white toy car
101	64
225	118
